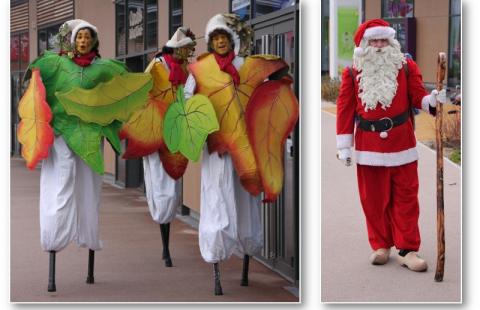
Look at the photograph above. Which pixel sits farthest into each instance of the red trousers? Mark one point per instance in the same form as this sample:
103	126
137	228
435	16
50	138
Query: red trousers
389	197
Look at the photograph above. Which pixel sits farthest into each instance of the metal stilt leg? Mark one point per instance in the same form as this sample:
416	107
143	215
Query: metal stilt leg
91	259
246	261
165	231
51	273
216	275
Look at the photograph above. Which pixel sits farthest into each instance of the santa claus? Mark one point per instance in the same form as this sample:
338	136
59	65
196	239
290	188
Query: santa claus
376	100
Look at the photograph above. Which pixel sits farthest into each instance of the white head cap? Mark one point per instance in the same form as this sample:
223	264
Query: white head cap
179	38
77	24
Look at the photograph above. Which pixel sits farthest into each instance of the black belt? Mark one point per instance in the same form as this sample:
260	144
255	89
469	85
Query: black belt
383	124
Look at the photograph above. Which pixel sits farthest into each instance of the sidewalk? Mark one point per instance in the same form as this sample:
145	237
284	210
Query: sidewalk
130	267
347	275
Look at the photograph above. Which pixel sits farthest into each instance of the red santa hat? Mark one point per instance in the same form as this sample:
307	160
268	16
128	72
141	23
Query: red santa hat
371	30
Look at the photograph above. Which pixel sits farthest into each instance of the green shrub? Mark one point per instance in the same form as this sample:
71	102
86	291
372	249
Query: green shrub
456	156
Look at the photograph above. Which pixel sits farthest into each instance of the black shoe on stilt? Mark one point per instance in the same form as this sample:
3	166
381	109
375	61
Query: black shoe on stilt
51	273
91	260
246	260
216	275
165	232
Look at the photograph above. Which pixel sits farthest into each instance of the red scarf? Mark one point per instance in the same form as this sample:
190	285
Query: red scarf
177	75
225	64
84	60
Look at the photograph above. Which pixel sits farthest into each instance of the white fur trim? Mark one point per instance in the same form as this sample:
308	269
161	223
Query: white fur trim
386	159
80	25
379	32
218	22
426	103
345	140
358	51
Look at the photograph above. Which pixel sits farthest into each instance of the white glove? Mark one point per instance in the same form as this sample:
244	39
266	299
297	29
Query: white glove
435	96
345	156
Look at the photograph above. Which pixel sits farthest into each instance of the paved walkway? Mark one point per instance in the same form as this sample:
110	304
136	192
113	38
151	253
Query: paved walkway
130	266
347	275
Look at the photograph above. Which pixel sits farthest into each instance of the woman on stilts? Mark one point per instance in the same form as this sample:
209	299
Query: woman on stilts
71	172
231	180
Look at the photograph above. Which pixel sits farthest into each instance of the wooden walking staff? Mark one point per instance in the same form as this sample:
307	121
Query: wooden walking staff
441	65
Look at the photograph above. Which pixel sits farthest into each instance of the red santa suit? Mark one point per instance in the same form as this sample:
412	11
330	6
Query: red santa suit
386	161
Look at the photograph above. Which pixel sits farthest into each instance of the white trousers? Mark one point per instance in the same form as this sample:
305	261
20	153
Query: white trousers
69	200
163	192
230	218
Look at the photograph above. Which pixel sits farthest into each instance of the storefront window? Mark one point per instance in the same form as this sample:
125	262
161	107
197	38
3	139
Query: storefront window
263	7
14	53
151	32
121	26
241	8
24	51
176	15
46	39
455	44
136	21
397	8
136	26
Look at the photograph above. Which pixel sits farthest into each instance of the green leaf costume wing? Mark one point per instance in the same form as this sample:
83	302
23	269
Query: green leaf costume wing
61	75
116	99
187	124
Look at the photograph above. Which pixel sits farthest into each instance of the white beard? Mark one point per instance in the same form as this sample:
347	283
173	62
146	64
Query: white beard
378	73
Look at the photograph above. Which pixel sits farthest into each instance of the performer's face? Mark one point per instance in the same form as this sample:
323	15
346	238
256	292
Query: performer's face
221	44
378	43
83	41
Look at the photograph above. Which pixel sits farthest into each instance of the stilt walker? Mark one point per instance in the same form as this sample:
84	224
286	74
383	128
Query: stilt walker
245	156
69	91
162	169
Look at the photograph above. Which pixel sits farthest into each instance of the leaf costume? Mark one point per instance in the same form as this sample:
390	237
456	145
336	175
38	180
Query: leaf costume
75	100
89	103
231	103
144	130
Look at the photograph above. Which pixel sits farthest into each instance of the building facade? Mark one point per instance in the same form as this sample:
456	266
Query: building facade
133	31
424	28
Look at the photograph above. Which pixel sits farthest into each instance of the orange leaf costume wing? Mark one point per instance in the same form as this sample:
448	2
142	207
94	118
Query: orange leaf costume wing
144	129
34	131
230	104
271	115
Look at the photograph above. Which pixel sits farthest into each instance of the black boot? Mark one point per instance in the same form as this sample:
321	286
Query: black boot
216	275
51	273
91	259
165	231
246	260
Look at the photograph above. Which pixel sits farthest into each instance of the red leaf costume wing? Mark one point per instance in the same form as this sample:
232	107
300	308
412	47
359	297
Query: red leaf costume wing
34	131
271	115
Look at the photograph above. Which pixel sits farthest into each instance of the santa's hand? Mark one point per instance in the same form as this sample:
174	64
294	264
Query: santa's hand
435	96
345	156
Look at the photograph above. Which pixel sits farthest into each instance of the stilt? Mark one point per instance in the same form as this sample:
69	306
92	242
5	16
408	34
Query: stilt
91	259
216	274
51	273
246	261
165	231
